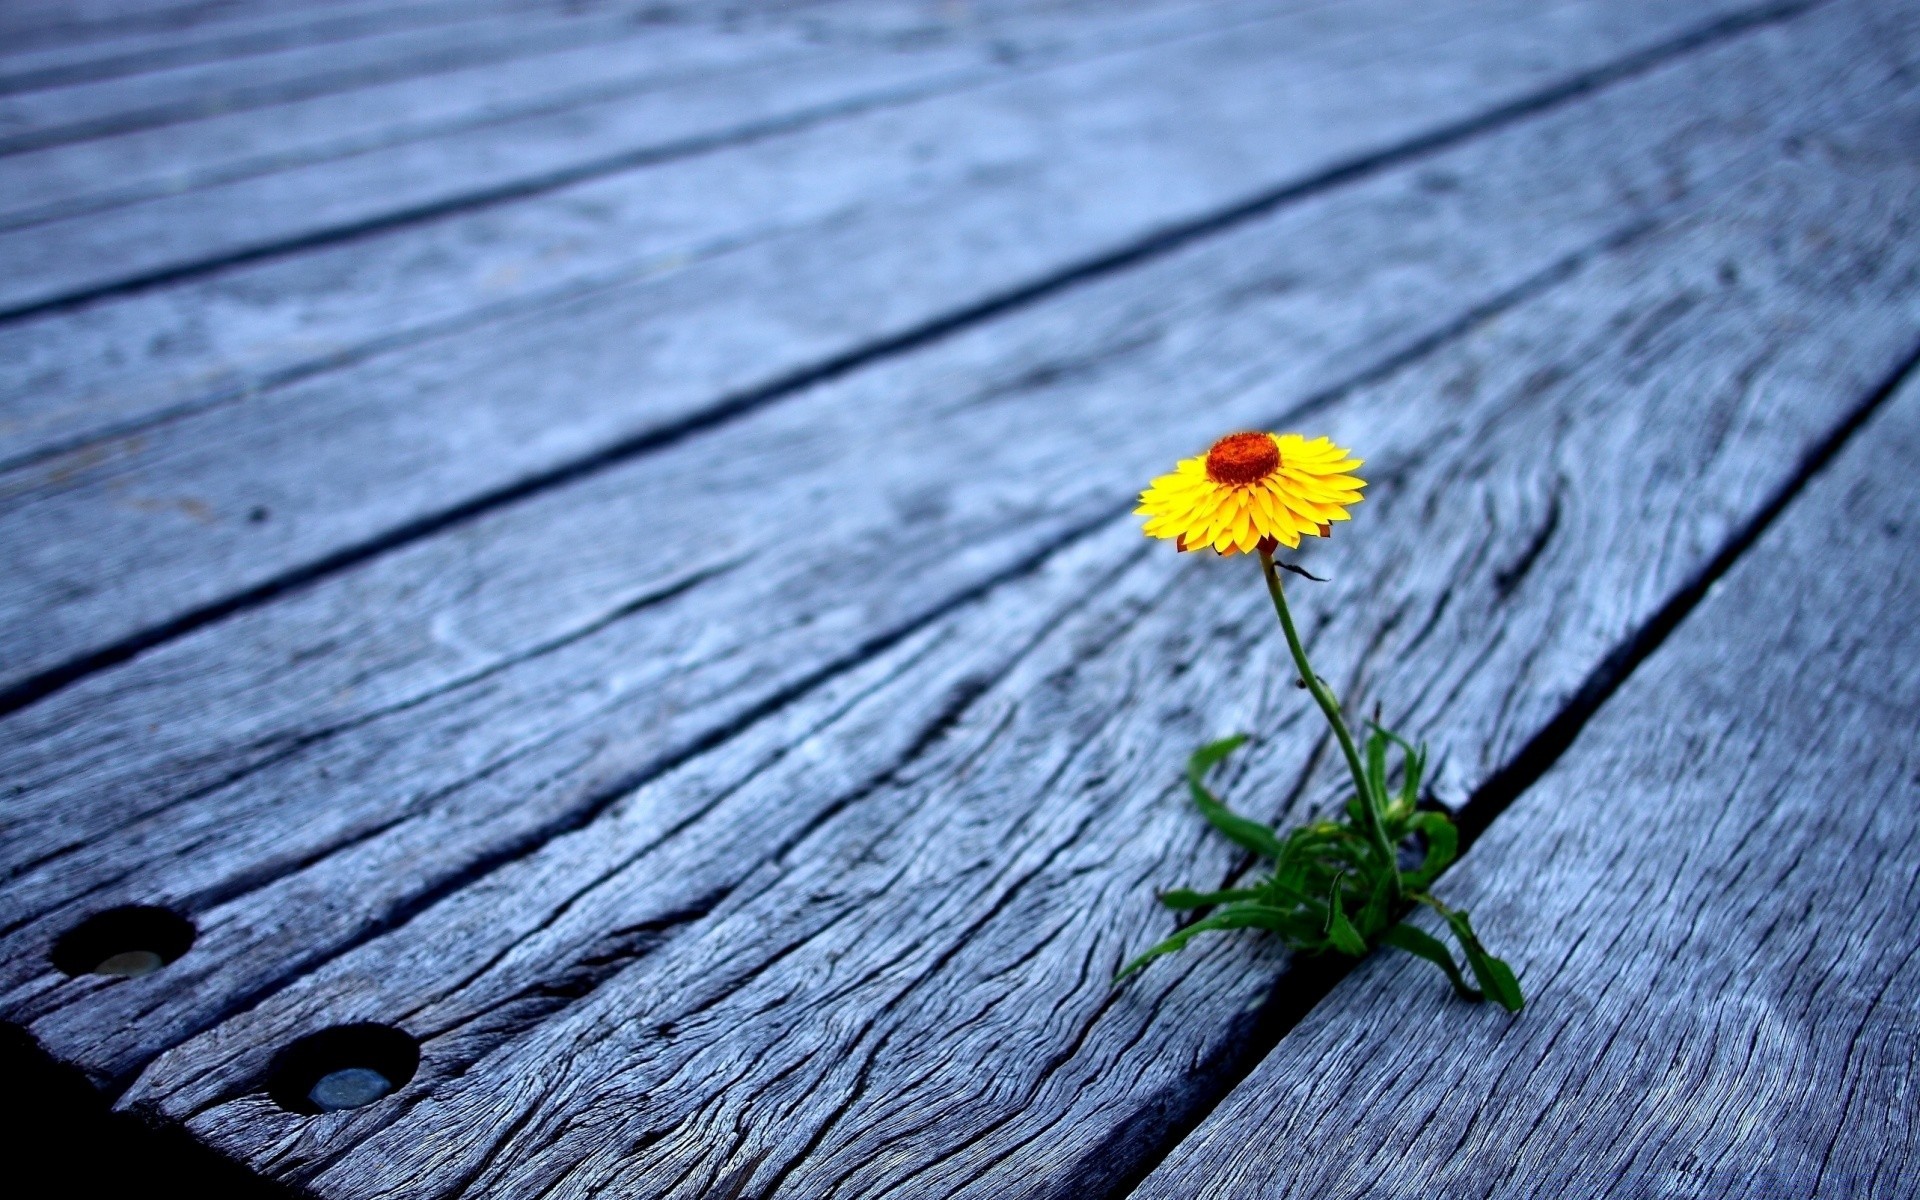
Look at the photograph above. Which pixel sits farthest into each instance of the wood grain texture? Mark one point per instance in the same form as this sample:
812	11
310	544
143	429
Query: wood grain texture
60	41
1711	900
120	106
91	147
910	995
36	27
113	366
459	703
65	260
226	30
120	538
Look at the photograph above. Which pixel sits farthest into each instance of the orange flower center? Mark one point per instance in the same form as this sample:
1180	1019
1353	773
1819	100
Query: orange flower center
1242	458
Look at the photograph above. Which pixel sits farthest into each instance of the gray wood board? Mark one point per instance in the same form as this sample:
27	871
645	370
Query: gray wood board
76	375
890	974
39	26
231	31
63	261
51	59
89	148
120	539
1710	899
445	683
35	119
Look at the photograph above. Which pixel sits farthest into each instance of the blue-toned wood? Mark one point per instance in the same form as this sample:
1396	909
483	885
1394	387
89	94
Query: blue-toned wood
695	716
1711	902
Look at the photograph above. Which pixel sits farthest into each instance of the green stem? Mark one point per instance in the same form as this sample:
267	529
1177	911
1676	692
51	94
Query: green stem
1376	823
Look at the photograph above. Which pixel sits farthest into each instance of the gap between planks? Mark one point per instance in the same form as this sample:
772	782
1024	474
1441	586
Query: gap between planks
1693	1056
1315	981
629	779
849	82
322	106
105	110
602	1001
1158	243
248	334
480	1170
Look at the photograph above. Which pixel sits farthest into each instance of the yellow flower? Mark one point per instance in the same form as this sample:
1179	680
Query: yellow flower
1250	490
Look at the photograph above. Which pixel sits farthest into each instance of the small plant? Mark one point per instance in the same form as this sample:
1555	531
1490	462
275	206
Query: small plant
1335	885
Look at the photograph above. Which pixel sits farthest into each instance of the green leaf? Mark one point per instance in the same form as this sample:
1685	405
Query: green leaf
1415	769
1340	930
1242	916
1210	755
1344	936
1182	898
1418	942
1244	832
1379	906
1495	976
1304	846
1377	766
1285	889
1501	983
1443	845
1416	765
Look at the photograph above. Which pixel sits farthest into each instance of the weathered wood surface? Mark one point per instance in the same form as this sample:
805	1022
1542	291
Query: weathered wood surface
121	540
76	31
61	43
115	364
248	328
762	809
64	261
909	994
816	915
1712	901
420	711
52	26
308	106
35	116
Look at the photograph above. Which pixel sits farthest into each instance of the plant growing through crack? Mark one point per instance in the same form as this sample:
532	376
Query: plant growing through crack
1335	884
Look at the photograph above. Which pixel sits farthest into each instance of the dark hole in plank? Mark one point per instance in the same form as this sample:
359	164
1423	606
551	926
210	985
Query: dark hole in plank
130	941
347	1066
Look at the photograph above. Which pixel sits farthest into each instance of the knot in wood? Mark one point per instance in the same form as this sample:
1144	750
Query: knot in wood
1241	458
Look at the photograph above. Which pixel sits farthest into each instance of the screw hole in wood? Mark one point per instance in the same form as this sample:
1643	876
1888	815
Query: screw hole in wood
125	942
346	1066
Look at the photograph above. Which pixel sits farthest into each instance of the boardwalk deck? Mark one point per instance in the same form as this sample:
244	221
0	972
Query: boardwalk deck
1721	921
593	545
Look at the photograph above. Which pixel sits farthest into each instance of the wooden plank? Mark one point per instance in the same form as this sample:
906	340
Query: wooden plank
1711	900
229	31
59	25
29	18
507	69
453	705
67	261
339	462
202	119
74	378
908	992
354	697
41	118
